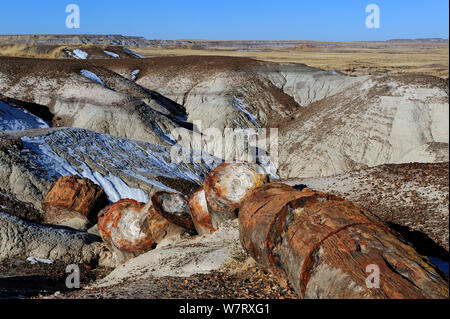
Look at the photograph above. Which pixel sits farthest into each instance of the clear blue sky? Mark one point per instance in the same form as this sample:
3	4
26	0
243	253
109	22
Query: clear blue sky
329	20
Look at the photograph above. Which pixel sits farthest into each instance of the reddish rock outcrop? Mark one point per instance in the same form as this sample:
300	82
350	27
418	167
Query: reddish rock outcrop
327	247
130	228
73	201
199	213
227	185
175	208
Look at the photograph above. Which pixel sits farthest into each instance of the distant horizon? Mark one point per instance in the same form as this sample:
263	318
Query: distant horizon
233	20
218	40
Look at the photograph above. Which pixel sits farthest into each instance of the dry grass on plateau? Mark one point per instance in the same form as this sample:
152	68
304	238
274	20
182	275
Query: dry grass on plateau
44	51
349	58
352	61
32	51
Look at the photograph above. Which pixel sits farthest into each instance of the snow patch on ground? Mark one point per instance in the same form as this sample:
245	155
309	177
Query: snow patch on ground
80	54
57	166
35	260
92	76
134	53
241	106
14	119
134	74
114	55
107	161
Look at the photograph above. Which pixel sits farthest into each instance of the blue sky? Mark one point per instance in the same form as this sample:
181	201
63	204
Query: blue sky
328	20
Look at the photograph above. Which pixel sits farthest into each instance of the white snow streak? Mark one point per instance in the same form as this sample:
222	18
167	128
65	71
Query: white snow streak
80	54
92	76
241	106
14	119
114	55
57	166
134	74
134	53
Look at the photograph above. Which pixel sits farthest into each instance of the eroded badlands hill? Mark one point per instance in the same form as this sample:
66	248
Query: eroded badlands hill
328	123
377	121
113	121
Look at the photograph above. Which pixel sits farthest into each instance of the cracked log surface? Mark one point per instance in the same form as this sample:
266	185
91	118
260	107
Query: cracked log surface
322	245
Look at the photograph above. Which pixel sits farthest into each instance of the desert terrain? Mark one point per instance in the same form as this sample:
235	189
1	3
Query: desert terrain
350	58
425	56
88	125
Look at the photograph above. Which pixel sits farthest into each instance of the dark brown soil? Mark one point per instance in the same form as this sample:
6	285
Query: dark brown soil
21	279
411	208
20	67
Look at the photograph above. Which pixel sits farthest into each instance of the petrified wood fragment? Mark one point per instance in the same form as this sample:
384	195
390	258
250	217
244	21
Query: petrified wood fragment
130	228
73	201
175	208
327	247
227	185
199	213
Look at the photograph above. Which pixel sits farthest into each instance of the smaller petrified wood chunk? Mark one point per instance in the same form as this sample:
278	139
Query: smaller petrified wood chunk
227	185
175	208
130	228
199	213
73	201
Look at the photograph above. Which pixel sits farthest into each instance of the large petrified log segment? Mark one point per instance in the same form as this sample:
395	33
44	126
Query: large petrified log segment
130	228
199	213
227	185
323	245
73	201
175	208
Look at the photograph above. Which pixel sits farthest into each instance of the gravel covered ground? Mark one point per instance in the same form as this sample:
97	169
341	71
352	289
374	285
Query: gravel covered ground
21	279
250	283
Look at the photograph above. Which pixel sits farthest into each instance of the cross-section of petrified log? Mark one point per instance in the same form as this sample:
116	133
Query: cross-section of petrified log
175	208
130	228
328	247
73	201
227	185
199	213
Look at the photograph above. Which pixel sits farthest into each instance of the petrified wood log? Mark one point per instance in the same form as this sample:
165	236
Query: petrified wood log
227	185
327	247
130	228
73	201
199	213
175	208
